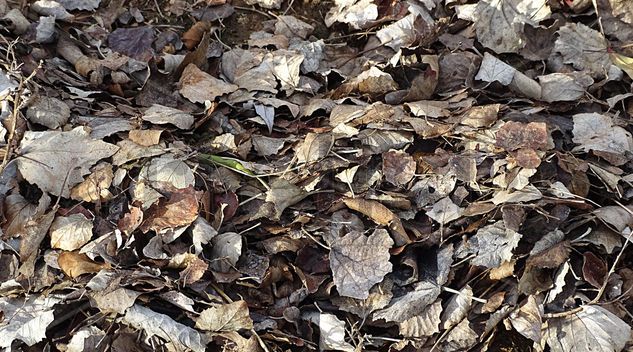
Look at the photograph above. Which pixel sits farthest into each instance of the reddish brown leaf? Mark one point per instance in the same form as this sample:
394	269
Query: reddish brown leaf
180	209
594	269
516	135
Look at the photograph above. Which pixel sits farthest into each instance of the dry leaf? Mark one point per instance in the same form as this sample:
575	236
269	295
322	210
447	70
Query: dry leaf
75	264
380	215
199	86
226	317
57	161
358	262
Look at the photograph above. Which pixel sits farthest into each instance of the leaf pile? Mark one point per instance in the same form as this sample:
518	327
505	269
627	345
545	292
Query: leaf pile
351	175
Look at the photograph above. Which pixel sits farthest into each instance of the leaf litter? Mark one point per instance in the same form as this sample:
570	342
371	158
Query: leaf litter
349	175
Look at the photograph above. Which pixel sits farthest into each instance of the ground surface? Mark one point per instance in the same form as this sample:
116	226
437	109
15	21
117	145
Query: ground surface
359	175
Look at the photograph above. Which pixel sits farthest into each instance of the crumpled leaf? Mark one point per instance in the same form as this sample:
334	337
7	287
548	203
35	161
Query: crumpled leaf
527	320
227	249
597	132
564	86
179	209
380	215
332	331
25	319
86	5
51	8
135	42
424	324
493	245
47	111
75	264
379	297
96	186
226	317
410	304
358	262
159	114
583	47
408	30
70	232
56	161
199	86
500	25
457	308
177	336
355	13
592	329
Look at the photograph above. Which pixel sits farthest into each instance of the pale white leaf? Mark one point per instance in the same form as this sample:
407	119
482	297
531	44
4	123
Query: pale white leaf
70	232
593	329
57	161
359	262
177	336
160	114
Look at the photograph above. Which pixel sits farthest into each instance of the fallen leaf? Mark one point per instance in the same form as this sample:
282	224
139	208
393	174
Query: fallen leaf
583	47
50	112
199	86
332	332
226	317
398	167
134	42
598	133
75	264
359	262
592	329
380	215
71	232
159	114
56	161
26	319
178	337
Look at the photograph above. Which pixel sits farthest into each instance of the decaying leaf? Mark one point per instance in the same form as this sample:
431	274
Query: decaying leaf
159	114
25	319
500	24
358	262
597	132
75	264
226	317
70	232
592	329
178	337
381	215
133	42
493	245
50	112
199	86
57	161
332	332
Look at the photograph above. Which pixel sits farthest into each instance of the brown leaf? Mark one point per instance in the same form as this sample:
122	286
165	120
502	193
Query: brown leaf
594	269
516	135
398	167
194	271
226	317
194	35
180	209
199	86
75	264
380	215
